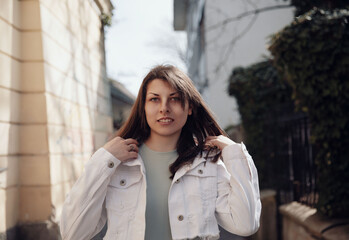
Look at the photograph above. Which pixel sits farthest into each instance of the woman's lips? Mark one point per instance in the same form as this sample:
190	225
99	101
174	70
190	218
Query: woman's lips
166	120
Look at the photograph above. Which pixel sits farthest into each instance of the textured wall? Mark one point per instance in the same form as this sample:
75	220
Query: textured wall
55	107
10	127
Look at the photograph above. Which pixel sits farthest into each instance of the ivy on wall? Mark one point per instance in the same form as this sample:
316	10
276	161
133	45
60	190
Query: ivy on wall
312	53
106	19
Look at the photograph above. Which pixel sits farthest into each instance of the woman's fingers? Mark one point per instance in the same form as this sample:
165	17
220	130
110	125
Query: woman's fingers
132	155
209	144
123	149
218	141
133	148
210	141
132	151
131	141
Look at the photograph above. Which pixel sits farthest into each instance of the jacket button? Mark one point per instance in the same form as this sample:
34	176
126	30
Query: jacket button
200	171
110	164
122	182
180	218
177	181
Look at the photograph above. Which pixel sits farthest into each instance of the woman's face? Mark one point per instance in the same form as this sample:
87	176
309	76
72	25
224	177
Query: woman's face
163	109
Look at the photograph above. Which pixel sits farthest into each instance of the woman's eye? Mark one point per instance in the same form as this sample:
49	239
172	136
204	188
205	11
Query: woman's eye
176	99
153	99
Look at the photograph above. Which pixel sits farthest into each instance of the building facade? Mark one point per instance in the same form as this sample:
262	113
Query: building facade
223	34
55	107
122	102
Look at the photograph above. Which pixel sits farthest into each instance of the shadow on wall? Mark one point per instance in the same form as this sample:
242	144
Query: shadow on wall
89	109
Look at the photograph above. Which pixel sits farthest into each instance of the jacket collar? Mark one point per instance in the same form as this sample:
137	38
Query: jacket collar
180	173
183	170
138	161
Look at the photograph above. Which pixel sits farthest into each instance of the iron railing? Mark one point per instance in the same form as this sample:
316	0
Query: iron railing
291	169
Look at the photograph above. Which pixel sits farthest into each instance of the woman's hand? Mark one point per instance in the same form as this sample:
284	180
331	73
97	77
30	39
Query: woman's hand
123	149
218	141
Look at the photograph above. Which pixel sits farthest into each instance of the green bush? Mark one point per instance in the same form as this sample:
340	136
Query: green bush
303	6
258	91
313	55
106	19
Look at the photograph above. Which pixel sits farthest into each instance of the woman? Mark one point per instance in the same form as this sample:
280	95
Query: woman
163	176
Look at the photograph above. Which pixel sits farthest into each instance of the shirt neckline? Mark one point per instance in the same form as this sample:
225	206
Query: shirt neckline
157	152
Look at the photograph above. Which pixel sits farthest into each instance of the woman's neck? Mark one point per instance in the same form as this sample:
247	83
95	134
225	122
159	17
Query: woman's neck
161	144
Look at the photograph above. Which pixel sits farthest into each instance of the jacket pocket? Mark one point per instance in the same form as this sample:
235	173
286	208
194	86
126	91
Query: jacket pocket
200	189
123	189
202	181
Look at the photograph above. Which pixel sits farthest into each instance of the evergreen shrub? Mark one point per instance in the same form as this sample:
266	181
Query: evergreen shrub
303	6
258	90
312	53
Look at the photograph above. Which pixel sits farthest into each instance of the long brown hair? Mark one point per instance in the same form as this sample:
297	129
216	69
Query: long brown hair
199	125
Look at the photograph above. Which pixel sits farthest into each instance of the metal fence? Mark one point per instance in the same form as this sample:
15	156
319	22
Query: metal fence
292	168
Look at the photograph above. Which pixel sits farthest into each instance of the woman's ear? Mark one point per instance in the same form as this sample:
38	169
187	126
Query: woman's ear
190	110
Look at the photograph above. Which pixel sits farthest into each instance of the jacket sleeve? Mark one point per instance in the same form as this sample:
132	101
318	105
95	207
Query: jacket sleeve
84	214
238	205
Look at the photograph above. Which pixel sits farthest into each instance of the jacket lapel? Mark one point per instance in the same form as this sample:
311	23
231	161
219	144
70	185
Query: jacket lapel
135	162
183	170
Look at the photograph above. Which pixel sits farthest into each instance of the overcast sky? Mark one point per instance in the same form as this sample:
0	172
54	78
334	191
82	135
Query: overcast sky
141	36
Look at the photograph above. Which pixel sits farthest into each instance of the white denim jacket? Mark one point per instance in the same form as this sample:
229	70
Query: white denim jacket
201	195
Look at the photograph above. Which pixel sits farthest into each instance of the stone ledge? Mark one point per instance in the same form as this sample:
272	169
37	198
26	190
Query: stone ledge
268	224
47	230
315	224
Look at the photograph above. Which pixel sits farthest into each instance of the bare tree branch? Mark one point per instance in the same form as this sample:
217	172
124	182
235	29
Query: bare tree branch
231	44
246	14
169	42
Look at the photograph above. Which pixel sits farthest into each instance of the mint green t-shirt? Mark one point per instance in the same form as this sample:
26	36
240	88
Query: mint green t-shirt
158	185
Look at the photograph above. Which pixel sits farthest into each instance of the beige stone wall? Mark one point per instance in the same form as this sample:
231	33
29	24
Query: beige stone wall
55	106
10	87
305	223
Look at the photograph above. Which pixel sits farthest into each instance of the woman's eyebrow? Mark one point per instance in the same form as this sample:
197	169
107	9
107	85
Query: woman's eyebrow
171	94
153	93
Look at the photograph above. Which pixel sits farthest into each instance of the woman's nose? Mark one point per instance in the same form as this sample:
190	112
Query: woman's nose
164	107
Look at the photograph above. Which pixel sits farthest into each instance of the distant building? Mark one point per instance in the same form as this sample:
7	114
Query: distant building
215	48
55	107
122	102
